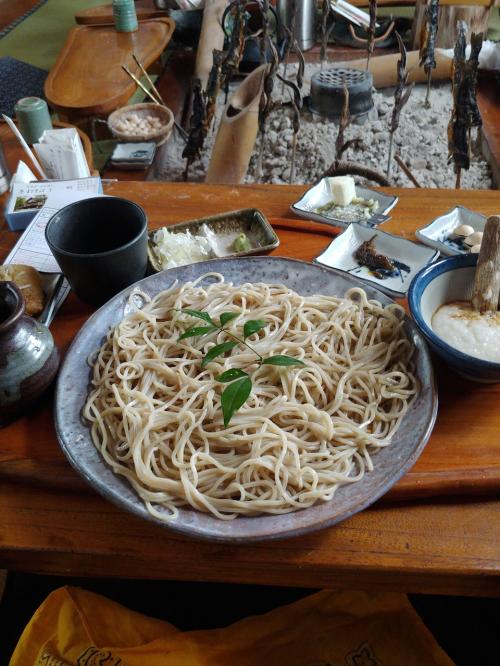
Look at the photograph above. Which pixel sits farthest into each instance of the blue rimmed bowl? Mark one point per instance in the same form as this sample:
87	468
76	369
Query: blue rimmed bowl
451	279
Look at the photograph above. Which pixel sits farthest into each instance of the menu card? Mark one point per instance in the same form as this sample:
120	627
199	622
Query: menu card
32	249
27	198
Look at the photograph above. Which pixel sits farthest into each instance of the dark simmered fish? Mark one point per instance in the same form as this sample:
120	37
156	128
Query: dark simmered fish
367	255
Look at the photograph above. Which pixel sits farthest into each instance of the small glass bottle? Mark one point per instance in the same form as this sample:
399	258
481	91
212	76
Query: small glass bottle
124	16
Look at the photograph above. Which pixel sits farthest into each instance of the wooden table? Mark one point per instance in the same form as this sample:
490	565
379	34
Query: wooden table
446	541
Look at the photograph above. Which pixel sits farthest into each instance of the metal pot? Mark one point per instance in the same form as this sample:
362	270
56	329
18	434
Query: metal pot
305	21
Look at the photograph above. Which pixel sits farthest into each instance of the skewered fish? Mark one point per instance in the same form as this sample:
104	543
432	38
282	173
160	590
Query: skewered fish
370	44
465	114
401	96
427	44
197	123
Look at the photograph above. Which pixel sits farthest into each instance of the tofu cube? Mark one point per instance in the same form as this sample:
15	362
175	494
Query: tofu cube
342	189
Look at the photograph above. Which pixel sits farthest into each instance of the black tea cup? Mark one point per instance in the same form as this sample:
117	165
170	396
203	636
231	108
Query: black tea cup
100	245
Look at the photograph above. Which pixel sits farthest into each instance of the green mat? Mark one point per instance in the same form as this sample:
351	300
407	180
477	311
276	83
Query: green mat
40	37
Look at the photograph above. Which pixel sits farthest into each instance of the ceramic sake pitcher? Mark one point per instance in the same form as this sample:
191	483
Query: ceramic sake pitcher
28	356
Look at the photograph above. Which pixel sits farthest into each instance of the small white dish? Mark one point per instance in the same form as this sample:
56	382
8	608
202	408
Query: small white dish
437	233
320	194
340	255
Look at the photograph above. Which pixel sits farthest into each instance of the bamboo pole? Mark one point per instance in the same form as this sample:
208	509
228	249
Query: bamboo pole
237	132
487	276
383	68
211	37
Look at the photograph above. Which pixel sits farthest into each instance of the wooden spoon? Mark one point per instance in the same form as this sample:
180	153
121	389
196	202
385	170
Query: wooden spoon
487	277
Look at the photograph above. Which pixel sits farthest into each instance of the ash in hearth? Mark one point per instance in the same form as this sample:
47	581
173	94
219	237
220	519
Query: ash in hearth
421	141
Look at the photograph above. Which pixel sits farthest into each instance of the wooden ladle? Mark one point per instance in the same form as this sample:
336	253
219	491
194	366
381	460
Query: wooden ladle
487	278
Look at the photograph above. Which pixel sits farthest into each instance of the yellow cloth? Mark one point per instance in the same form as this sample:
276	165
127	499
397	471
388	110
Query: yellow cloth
80	628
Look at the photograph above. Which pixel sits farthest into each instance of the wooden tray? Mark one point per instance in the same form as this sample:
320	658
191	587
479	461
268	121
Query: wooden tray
87	78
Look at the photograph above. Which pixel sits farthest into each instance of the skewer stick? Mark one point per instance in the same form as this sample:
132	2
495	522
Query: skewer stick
294	152
487	276
132	76
427	103
406	170
148	79
389	159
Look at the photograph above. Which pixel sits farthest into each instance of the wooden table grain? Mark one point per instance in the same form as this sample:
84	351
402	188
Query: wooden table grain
446	541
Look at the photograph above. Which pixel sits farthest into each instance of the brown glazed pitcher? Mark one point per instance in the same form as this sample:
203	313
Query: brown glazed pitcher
28	357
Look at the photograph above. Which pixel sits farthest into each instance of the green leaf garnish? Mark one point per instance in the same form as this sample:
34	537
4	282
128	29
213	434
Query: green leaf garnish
234	396
217	351
252	326
200	315
197	330
230	375
227	317
281	359
240	382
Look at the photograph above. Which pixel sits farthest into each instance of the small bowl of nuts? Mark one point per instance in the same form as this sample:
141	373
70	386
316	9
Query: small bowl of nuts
142	122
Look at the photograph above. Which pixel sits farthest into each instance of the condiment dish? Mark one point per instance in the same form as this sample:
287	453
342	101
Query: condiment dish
320	194
222	230
410	256
451	279
439	233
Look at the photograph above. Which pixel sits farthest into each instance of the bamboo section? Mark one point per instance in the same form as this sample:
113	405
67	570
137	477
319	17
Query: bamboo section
211	37
487	276
384	68
237	132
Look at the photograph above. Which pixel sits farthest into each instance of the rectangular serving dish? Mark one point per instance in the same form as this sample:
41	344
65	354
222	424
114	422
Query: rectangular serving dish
340	254
320	194
437	233
226	226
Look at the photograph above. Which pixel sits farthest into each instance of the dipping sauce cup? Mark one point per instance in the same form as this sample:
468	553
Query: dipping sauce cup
100	245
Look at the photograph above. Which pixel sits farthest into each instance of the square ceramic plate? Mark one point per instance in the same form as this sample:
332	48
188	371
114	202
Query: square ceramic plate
222	231
340	254
436	233
320	194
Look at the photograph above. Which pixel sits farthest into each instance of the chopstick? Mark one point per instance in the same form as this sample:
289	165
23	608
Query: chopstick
143	87
148	79
182	132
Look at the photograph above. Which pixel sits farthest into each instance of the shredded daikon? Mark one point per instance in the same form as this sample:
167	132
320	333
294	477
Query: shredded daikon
179	249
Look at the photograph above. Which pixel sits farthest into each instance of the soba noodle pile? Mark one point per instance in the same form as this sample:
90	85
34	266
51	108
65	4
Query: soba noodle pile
304	431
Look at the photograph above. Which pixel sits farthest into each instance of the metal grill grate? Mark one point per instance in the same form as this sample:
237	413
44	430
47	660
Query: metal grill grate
327	91
340	76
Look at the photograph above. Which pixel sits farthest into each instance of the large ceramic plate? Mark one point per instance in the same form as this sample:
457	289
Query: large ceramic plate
307	279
